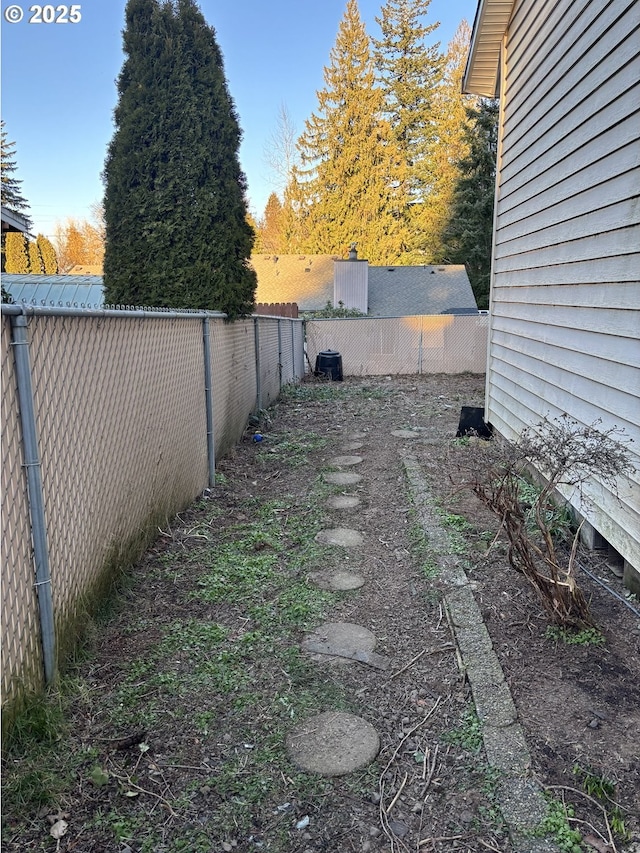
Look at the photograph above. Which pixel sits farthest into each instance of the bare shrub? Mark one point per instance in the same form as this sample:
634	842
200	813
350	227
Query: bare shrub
566	454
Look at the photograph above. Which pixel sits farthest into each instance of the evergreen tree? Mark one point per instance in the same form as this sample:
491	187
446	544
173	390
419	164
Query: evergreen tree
410	73
450	145
36	266
348	156
175	211
271	226
48	255
16	249
12	197
469	234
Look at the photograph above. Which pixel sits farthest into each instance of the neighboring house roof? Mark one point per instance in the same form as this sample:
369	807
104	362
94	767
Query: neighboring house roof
305	279
481	76
14	221
393	291
402	291
89	269
75	291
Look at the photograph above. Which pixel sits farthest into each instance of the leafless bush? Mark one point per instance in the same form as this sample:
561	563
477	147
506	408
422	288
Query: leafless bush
566	454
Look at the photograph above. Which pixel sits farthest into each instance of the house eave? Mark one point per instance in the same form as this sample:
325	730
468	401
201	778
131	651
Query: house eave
481	76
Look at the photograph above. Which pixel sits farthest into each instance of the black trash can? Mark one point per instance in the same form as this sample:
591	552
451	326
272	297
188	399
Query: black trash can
329	364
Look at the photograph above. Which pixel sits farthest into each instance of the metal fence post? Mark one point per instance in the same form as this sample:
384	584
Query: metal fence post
208	396
279	354
258	380
20	346
293	351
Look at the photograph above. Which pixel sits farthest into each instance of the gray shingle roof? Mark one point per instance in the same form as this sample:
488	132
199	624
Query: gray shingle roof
402	291
305	279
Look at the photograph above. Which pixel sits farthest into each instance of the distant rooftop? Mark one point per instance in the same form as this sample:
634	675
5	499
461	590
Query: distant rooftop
67	291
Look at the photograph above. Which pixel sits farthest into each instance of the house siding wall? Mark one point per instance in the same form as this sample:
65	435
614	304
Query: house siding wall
565	305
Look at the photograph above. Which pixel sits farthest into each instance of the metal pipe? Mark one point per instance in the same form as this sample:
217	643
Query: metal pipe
208	397
76	311
20	346
279	354
256	333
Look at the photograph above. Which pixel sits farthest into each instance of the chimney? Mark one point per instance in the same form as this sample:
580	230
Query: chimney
351	282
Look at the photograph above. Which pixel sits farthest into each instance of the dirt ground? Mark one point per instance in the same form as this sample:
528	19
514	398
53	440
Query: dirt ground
168	788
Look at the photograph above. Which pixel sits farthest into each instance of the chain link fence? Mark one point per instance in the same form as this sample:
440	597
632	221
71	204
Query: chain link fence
442	343
120	414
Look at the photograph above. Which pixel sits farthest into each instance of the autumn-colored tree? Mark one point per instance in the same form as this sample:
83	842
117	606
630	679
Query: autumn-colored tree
450	148
348	156
281	152
16	249
78	243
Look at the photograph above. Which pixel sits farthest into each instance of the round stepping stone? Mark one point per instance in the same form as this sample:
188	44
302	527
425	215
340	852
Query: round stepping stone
344	637
342	501
340	580
342	478
352	445
405	433
346	460
333	743
340	536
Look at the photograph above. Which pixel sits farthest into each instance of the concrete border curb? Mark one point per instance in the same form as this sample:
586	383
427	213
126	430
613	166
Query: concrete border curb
519	794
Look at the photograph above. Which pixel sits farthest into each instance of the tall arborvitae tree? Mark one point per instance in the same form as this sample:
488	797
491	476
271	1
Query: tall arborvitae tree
48	255
469	233
450	147
348	156
175	211
12	197
36	267
16	257
410	72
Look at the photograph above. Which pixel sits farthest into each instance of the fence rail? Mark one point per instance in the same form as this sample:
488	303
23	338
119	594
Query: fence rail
130	410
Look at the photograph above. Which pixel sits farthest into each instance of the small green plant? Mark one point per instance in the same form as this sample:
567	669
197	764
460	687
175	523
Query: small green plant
583	637
468	734
556	824
600	788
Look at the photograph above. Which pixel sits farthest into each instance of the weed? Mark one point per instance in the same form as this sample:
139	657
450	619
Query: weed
603	789
584	637
556	824
469	734
294	448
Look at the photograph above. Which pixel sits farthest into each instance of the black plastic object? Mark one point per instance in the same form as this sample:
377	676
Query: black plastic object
329	364
472	423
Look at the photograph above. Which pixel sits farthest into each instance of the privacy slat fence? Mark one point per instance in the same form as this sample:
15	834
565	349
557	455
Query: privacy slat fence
442	343
120	415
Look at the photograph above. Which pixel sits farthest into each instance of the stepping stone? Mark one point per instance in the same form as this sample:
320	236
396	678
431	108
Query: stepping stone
342	501
338	641
405	433
340	536
339	461
356	436
353	445
333	743
342	478
340	581
343	643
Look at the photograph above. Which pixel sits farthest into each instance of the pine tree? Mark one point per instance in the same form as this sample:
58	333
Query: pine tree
48	255
16	253
175	210
410	73
348	156
450	146
12	197
469	233
36	267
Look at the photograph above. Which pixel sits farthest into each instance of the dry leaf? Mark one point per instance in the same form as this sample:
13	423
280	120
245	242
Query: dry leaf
59	829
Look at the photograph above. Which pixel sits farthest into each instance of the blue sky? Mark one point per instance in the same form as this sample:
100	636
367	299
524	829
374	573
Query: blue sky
59	92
